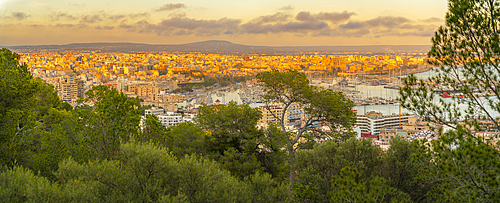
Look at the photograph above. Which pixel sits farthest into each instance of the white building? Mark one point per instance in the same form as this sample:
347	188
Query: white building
373	121
171	118
155	111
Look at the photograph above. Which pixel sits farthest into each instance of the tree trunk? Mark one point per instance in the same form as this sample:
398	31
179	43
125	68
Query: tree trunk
291	163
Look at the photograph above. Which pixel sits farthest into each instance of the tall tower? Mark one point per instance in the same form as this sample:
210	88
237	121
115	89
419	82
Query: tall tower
71	87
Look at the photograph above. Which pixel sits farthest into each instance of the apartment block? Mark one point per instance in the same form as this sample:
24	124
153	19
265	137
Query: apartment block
373	121
71	88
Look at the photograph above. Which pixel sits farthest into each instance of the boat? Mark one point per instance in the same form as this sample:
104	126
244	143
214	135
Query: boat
445	95
374	83
394	87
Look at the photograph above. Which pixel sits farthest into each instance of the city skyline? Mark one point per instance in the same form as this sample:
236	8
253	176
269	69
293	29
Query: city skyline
264	23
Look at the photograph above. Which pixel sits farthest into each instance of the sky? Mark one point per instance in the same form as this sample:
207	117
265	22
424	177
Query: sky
250	22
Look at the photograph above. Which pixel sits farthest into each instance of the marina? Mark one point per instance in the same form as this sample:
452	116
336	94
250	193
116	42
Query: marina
366	96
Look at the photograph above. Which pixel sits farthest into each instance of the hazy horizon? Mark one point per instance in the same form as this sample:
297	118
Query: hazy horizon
214	40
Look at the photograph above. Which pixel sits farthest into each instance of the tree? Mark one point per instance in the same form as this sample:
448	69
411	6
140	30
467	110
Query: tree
186	138
153	130
327	114
264	188
348	187
30	117
462	166
17	104
401	170
107	117
316	167
233	136
146	172
467	52
21	185
272	152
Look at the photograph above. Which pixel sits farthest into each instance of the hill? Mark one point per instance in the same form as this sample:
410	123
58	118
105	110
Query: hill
218	46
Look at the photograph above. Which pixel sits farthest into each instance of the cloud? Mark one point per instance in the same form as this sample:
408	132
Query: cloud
186	26
19	16
103	17
170	6
70	25
257	28
60	15
277	17
177	15
105	27
353	25
139	15
191	24
433	20
286	8
304	16
77	5
359	33
65	25
382	21
304	23
280	22
418	33
127	27
387	21
94	18
333	17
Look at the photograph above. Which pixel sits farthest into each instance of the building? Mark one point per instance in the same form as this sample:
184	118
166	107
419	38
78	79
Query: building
269	114
373	121
71	88
171	118
414	129
155	111
293	113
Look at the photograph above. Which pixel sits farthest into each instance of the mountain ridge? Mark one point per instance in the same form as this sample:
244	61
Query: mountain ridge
217	46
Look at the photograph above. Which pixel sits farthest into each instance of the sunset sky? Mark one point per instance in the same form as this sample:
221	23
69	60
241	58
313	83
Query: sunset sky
251	22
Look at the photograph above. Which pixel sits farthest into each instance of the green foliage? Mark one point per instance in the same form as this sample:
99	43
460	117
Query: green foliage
106	118
233	136
402	173
223	83
230	126
30	117
209	82
153	130
272	153
467	52
465	166
186	88
263	188
46	98
21	185
140	173
307	193
143	109
17	104
350	187
147	173
329	109
204	181
319	165
66	106
185	138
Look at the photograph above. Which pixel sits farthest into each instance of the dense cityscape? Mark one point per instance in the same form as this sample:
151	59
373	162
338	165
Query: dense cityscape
157	79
